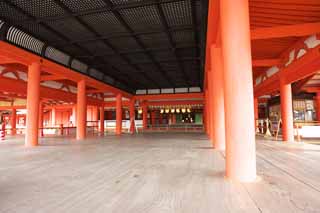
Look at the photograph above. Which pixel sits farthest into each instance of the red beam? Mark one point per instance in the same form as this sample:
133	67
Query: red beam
297	30
51	78
266	62
12	107
174	103
24	57
301	68
20	87
169	96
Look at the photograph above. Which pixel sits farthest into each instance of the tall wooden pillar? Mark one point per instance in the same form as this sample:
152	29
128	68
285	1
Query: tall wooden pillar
153	118
218	117
14	121
238	90
41	119
74	115
119	114
81	110
53	116
33	98
286	111
101	119
318	105
132	116
145	116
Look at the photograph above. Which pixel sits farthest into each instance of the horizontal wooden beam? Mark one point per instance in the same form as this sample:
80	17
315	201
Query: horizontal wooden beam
297	30
174	103
185	96
20	87
301	68
26	58
266	62
51	78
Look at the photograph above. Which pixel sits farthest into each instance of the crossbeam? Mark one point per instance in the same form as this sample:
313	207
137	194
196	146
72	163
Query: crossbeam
297	30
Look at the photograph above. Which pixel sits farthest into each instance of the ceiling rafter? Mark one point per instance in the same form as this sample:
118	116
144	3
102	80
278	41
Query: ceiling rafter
45	26
64	7
124	23
173	49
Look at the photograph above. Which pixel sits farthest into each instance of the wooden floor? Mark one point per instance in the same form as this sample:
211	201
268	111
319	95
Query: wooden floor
161	173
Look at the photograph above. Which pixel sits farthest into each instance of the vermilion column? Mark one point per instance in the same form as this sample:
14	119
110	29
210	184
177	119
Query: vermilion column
102	119
207	112
95	113
153	118
256	109
210	105
53	116
33	98
41	119
218	118
318	105
238	90
132	116
14	121
160	118
286	111
74	115
145	116
204	112
81	110
119	114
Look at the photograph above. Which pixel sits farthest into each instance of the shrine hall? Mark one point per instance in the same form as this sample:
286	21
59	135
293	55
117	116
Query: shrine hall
159	106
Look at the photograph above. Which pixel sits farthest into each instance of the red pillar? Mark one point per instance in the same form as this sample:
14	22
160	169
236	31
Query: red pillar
174	119
145	116
153	118
286	111
41	118
33	98
95	113
206	115
81	110
256	109
318	105
53	116
238	90
160	118
102	119
218	117
74	115
132	116
119	114
14	122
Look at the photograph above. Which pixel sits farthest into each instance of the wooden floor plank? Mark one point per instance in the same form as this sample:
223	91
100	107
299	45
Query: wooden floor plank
151	173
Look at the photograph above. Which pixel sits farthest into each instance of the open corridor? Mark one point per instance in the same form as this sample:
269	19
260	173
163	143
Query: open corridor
153	172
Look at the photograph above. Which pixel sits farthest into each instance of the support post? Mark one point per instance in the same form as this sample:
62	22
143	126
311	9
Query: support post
81	110
153	118
217	117
318	106
119	114
33	98
256	112
74	115
238	90
160	118
41	119
102	120
145	116
286	111
14	121
53	117
207	112
132	116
